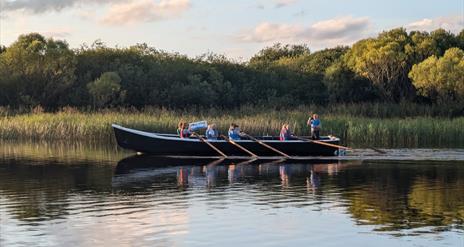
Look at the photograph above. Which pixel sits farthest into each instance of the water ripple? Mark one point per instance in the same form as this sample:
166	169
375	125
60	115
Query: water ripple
358	201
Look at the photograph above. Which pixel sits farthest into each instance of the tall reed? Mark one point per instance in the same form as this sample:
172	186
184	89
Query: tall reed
70	125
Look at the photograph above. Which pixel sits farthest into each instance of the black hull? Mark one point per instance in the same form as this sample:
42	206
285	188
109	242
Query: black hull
170	145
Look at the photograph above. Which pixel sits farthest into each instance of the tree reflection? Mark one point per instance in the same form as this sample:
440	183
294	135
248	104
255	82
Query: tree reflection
405	196
390	196
41	191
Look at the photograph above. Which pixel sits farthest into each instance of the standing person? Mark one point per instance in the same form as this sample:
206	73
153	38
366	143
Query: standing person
234	132
315	127
285	133
211	132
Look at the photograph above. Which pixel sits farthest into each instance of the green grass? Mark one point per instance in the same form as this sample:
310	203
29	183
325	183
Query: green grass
72	125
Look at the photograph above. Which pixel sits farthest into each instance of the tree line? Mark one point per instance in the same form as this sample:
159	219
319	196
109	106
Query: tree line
395	66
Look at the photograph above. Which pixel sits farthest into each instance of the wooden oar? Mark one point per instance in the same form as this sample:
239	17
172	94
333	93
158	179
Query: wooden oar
240	146
323	143
337	146
267	146
211	145
378	150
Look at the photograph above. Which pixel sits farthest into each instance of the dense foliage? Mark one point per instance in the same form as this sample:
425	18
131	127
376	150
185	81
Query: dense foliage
396	66
442	78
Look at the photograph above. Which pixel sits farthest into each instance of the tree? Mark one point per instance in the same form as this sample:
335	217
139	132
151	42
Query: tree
36	70
319	61
278	51
385	62
344	85
441	79
106	90
443	40
460	38
421	47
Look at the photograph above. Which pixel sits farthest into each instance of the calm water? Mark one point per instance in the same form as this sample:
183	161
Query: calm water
84	195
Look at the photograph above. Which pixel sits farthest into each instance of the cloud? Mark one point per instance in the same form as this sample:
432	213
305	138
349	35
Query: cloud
337	28
451	23
336	31
57	33
144	11
269	32
284	3
41	6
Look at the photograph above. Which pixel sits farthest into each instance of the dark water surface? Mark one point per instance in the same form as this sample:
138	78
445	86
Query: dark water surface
83	195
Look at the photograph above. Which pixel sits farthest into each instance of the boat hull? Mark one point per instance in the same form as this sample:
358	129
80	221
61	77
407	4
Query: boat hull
171	145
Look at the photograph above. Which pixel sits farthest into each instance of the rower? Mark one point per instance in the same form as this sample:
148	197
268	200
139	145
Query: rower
234	132
285	133
182	130
211	132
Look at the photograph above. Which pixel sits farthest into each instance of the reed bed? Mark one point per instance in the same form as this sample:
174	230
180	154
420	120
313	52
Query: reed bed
72	125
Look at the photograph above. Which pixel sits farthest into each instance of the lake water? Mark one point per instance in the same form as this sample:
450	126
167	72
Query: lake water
55	194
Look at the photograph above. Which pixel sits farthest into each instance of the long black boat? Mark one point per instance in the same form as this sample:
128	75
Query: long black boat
173	145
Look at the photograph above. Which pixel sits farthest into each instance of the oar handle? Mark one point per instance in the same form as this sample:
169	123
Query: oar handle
265	145
239	146
210	145
323	143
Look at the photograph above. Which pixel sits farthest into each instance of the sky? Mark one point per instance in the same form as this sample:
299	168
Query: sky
235	28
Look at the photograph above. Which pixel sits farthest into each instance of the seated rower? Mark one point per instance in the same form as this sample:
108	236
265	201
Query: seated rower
182	130
285	133
211	132
234	132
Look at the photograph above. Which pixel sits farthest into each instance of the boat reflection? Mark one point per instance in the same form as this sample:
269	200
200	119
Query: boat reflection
211	173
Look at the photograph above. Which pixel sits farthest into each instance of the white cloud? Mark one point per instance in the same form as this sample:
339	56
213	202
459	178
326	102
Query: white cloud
57	33
343	30
450	23
144	11
266	32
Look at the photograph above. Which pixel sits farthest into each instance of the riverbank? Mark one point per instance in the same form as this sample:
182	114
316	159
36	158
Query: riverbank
359	130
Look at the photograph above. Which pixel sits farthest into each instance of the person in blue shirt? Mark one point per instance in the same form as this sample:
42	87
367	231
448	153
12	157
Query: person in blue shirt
211	132
315	127
234	132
